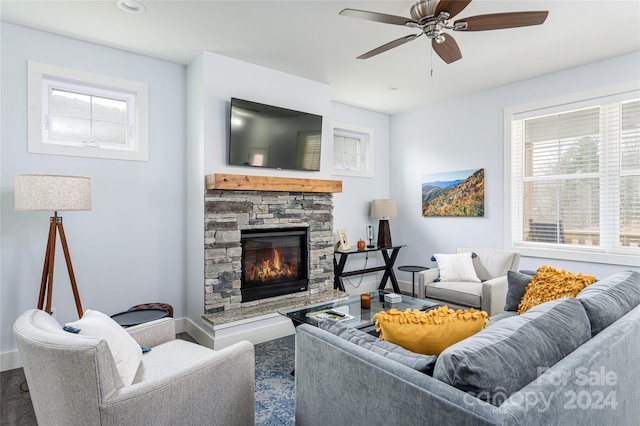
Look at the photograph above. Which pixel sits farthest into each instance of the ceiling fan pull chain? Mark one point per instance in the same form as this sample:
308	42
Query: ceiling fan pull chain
432	62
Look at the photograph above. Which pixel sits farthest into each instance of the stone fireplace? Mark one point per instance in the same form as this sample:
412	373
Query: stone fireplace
233	216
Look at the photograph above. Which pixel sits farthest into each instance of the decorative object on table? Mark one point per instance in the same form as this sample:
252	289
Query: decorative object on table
343	239
456	193
413	270
370	236
365	301
332	314
384	209
392	298
38	192
361	245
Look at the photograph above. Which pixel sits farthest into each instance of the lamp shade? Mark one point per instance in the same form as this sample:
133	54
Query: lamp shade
383	208
52	192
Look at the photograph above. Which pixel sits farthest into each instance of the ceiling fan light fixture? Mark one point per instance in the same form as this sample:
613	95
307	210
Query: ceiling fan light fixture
440	39
131	6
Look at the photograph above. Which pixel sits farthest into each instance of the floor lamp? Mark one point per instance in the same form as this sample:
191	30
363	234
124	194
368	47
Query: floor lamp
36	192
384	209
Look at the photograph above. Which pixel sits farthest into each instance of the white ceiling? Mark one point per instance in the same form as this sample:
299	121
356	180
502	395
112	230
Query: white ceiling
310	40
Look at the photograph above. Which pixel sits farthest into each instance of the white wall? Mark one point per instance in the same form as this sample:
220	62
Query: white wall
467	133
130	248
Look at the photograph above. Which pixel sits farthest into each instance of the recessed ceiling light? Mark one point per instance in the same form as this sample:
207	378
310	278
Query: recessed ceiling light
131	6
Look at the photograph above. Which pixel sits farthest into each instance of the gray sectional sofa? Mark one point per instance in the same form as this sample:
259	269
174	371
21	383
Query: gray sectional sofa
569	361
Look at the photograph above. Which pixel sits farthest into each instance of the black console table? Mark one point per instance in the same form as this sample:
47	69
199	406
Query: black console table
340	260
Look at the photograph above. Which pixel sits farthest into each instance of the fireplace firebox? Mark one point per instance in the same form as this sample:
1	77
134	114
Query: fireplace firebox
274	262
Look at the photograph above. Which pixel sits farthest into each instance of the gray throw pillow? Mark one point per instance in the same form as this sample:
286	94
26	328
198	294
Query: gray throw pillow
500	360
608	300
420	362
516	285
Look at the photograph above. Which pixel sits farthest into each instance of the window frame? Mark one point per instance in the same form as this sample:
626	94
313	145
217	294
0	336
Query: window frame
43	77
365	136
625	256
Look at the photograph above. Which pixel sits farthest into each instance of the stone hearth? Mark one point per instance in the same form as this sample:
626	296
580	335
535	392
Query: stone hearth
228	212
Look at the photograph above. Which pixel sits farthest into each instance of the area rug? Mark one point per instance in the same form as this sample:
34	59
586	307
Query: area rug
275	385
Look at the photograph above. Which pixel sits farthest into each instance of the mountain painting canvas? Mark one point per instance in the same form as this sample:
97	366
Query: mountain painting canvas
457	193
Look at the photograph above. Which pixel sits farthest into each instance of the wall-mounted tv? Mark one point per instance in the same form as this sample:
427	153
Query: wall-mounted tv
268	136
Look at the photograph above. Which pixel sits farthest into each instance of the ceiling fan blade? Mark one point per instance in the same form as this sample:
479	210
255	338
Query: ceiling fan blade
448	51
453	7
499	21
388	46
377	17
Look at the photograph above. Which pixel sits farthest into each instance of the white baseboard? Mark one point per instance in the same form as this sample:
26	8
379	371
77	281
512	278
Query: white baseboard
10	360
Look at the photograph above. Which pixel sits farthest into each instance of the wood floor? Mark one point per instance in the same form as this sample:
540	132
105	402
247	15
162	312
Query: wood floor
15	402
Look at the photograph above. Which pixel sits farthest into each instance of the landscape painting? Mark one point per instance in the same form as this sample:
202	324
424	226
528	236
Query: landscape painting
457	193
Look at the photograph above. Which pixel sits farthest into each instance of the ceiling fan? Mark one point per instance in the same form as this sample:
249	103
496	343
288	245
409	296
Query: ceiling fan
432	18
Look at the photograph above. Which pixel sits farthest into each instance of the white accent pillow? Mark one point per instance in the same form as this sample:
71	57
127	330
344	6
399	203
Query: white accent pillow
456	267
125	350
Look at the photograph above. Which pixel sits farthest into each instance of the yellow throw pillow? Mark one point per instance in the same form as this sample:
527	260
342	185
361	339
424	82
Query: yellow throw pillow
428	332
550	284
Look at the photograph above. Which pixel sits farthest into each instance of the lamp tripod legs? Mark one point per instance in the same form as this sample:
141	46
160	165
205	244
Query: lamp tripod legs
46	284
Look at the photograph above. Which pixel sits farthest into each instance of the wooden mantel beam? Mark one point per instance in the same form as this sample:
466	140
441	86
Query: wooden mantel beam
270	183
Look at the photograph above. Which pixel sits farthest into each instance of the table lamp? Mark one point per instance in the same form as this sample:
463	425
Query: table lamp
38	192
384	209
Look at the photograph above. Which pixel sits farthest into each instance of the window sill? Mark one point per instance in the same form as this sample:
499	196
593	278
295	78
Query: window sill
591	255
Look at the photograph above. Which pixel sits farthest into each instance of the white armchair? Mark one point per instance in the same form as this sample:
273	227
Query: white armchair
73	378
490	265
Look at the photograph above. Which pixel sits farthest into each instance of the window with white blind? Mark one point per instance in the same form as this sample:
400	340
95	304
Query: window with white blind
574	179
352	151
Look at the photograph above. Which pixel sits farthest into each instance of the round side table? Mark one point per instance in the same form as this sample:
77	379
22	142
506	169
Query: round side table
129	318
413	270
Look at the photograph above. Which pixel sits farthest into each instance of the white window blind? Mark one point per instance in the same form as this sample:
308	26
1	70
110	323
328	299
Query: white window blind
576	176
347	152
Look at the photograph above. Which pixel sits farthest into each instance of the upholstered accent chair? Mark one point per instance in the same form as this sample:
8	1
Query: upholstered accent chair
488	293
73	378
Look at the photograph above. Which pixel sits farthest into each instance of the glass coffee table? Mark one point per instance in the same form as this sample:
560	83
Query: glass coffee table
349	312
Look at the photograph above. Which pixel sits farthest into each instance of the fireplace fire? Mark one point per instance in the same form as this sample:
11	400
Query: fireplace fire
272	268
274	262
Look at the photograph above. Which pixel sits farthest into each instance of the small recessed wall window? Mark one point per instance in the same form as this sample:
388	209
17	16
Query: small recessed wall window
352	150
83	114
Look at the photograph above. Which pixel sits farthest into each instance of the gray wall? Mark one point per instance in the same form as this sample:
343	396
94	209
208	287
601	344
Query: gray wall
467	133
130	248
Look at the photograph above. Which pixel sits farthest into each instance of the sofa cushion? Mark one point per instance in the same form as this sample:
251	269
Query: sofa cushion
125	350
516	285
422	363
456	267
503	358
491	263
608	300
428	332
460	293
549	284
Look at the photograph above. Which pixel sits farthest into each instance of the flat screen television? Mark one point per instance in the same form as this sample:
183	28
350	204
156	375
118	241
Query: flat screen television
268	136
